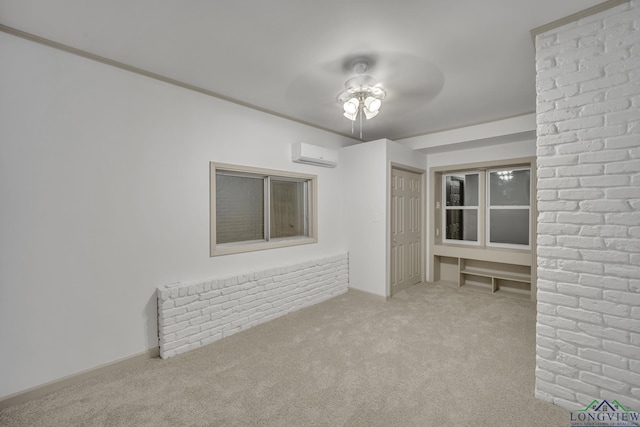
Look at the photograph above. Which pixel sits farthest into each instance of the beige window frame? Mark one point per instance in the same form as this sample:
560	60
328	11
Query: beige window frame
462	208
267	242
522	207
438	225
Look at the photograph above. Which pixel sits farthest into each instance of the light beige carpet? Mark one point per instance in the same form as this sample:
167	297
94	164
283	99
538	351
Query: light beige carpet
431	356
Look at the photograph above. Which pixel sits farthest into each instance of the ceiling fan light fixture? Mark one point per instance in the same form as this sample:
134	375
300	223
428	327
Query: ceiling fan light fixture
362	96
372	104
351	106
351	116
370	114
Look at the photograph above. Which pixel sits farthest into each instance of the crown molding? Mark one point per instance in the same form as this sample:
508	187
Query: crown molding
107	61
575	17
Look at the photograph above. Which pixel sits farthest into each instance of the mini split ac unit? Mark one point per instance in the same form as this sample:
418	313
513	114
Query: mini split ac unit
313	155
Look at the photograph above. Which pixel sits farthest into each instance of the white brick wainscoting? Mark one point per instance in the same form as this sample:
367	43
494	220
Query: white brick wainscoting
588	147
191	315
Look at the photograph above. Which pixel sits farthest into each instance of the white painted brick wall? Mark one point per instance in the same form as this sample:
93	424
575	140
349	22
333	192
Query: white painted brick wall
191	315
588	115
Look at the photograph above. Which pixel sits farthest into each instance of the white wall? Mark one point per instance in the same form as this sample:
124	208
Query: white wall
484	153
105	196
367	175
365	180
499	131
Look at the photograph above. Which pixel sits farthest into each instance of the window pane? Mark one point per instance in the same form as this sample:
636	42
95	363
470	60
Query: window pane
462	190
288	213
462	224
510	188
509	226
239	208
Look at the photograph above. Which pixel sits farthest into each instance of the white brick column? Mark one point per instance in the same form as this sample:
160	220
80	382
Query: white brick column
588	113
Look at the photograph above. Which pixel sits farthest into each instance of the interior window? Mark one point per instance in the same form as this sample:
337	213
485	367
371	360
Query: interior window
488	208
509	207
461	206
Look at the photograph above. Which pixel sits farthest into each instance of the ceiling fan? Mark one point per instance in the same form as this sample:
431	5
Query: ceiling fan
388	85
362	95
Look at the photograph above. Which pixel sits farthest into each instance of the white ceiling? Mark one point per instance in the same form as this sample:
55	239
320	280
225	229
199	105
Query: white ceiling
444	63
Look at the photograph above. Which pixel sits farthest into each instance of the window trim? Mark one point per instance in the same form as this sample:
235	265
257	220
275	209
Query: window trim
258	245
445	208
488	207
439	175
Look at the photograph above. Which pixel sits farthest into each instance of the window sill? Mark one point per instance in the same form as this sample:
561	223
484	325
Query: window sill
228	249
464	243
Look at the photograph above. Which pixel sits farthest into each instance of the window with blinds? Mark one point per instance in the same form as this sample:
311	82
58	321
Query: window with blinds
255	209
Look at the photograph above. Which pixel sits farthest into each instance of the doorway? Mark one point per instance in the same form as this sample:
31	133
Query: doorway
406	228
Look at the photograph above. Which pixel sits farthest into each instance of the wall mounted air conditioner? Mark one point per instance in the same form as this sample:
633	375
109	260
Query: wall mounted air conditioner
313	155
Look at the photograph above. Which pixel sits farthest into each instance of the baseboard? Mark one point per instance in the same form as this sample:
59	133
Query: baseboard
371	294
46	388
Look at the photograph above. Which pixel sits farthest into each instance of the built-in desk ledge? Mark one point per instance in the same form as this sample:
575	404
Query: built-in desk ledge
512	256
500	271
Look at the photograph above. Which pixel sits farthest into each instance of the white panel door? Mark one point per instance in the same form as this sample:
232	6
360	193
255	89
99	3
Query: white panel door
406	229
